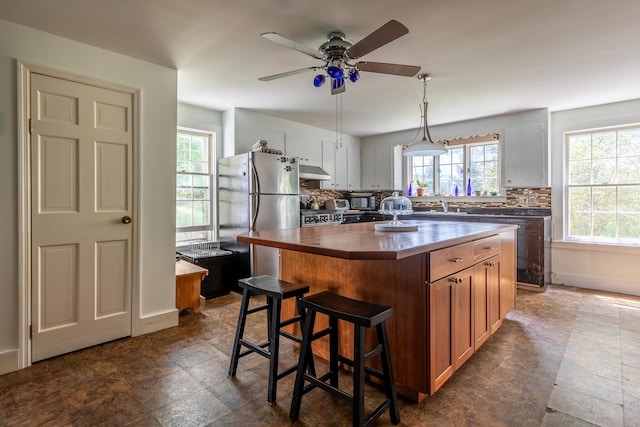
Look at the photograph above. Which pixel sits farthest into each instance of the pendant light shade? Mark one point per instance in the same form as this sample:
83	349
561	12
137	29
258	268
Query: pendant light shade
426	146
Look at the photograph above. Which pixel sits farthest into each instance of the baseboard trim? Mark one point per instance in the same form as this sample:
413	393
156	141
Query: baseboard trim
597	283
9	361
530	287
158	322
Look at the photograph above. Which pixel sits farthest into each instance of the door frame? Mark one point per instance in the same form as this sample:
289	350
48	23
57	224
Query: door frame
24	71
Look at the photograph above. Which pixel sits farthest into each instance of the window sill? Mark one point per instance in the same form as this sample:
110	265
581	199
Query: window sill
596	246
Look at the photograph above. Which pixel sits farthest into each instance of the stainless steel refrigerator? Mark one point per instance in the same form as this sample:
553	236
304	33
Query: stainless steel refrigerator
256	191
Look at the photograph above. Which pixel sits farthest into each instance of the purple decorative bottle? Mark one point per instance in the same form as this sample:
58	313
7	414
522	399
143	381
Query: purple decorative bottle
456	191
410	190
469	187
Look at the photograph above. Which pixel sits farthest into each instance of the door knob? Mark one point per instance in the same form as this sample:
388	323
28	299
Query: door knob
126	220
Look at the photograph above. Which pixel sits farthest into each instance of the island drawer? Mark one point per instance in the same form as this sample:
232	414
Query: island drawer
486	248
444	262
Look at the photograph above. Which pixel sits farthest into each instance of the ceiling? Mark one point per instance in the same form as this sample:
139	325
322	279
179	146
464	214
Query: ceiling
486	57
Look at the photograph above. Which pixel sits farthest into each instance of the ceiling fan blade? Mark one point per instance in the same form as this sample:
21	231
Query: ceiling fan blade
287	74
384	68
292	44
383	35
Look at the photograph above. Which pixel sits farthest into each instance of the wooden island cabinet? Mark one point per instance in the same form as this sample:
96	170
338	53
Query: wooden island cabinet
450	284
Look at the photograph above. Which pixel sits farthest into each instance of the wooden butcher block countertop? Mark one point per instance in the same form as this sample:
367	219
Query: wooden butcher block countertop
363	242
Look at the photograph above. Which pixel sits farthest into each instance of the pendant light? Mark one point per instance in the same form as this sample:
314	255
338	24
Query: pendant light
426	146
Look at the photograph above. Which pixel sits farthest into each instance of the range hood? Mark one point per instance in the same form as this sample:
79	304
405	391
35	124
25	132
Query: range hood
315	173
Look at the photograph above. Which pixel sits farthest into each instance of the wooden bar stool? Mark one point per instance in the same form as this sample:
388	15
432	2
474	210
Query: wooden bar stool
275	291
362	315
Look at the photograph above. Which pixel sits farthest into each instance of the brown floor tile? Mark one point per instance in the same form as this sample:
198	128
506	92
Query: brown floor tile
565	357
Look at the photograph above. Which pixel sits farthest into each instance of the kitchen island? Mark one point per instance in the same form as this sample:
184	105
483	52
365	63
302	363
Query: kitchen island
450	283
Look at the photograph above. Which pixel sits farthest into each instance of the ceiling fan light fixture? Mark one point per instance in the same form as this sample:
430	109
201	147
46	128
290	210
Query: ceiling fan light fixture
337	52
426	146
335	72
318	80
337	83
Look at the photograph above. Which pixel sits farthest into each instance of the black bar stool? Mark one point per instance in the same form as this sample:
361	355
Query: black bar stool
275	291
362	315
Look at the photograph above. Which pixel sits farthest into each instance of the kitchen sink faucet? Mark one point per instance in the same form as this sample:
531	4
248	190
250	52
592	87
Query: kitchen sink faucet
445	204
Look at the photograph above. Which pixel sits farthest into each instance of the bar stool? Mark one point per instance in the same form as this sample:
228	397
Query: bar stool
275	291
362	315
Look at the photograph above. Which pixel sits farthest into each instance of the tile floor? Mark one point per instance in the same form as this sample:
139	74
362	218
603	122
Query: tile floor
566	357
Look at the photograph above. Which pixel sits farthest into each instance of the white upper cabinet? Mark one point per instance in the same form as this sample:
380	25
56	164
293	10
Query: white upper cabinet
342	161
308	151
353	166
339	177
381	167
524	156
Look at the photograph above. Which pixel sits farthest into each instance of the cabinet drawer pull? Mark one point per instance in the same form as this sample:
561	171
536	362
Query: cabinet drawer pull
491	248
456	280
457	260
491	264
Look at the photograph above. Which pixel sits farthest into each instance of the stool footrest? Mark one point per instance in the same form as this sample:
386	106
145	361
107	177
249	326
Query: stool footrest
288	322
367	369
256	309
291	336
252	348
287	371
320	334
320	382
377	412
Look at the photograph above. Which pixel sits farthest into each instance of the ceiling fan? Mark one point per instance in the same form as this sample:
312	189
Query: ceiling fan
337	54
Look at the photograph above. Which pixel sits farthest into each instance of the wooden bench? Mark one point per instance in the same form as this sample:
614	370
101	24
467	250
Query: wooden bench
188	278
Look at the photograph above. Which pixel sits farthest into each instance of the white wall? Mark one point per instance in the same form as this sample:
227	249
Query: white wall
203	119
156	209
463	129
605	267
481	126
242	128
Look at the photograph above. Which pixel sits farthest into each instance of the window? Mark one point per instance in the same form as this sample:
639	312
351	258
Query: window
194	201
422	170
603	185
478	161
451	168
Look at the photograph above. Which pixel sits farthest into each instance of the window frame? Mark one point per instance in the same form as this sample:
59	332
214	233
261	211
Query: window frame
617	241
466	144
210	229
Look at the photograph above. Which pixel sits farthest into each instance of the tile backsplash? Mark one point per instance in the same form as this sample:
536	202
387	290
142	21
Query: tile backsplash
535	197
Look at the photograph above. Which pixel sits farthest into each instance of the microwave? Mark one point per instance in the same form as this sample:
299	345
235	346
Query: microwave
362	201
337	204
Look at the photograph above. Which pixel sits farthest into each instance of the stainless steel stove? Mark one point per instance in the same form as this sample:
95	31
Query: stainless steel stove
315	218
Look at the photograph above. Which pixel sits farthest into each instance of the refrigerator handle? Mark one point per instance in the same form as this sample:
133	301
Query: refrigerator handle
255	194
256	209
256	179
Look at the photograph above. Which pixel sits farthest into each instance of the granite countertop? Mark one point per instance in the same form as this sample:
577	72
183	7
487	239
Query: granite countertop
485	212
470	212
362	241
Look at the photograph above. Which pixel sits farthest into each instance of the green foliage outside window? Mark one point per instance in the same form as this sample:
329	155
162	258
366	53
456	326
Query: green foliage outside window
193	183
603	185
479	162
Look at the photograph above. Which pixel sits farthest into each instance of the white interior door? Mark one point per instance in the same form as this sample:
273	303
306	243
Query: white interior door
81	205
